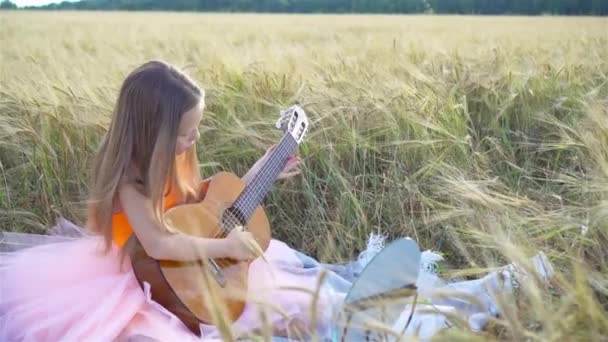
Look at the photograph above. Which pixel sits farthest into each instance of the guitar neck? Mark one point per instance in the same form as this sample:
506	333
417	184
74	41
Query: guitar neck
260	185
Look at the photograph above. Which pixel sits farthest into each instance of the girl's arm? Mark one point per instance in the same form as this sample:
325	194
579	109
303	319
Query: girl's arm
162	245
248	177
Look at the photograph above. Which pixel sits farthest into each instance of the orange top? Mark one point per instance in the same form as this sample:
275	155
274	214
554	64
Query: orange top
121	229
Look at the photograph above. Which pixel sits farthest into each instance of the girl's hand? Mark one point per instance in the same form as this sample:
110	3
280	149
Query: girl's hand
237	246
292	167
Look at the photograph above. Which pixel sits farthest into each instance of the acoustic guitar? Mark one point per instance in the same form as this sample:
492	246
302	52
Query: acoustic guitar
191	290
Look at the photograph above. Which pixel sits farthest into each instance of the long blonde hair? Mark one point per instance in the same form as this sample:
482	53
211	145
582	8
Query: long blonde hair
139	146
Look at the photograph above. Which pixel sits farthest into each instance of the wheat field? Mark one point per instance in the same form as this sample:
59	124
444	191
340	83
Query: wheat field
483	138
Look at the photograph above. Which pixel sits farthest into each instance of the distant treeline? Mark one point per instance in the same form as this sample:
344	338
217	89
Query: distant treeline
528	7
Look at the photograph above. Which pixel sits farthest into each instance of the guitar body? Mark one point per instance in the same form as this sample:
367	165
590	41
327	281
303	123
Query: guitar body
182	287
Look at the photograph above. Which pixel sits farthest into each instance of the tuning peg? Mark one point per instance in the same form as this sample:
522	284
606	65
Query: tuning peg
280	124
284	116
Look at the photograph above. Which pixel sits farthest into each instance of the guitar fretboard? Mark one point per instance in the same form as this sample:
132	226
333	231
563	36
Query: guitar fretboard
260	185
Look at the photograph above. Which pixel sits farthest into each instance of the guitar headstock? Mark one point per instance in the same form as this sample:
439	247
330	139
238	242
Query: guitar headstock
294	121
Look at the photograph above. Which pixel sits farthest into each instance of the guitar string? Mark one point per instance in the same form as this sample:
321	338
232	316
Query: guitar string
283	145
273	168
250	206
267	168
288	145
247	206
230	221
264	179
266	171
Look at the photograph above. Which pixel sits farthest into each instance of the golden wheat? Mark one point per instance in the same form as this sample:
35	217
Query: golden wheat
485	138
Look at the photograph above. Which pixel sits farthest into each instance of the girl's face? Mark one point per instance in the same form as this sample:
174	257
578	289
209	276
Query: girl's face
187	133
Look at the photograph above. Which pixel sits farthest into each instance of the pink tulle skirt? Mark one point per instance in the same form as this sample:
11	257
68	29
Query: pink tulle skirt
71	291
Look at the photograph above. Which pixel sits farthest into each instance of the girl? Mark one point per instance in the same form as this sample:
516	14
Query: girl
79	290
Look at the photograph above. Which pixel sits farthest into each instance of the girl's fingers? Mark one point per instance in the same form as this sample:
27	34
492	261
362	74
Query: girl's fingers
291	168
288	174
294	160
291	165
